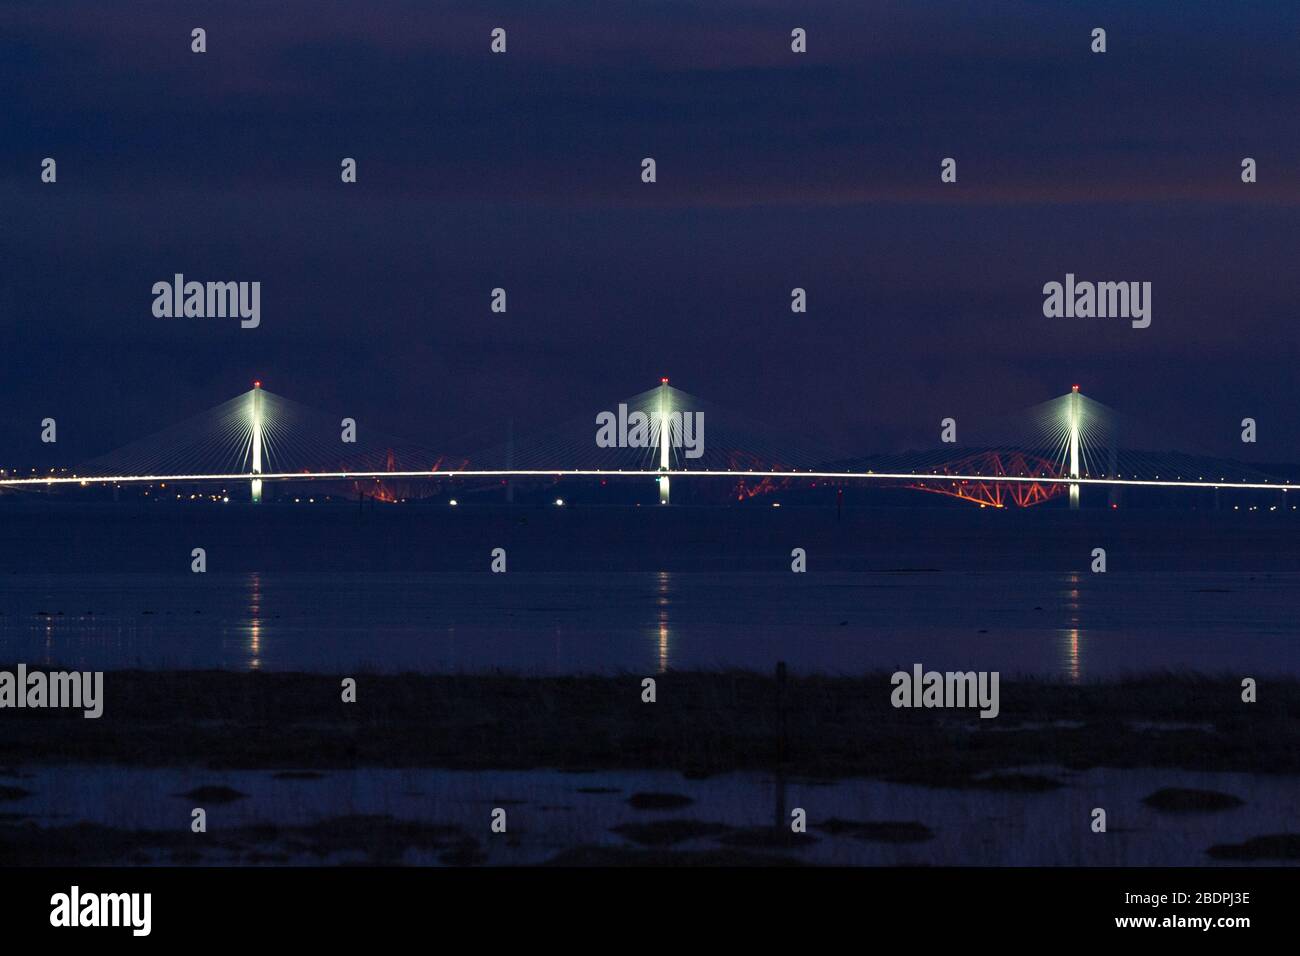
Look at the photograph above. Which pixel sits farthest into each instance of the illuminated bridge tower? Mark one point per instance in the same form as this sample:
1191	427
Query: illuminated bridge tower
1073	412
255	422
665	438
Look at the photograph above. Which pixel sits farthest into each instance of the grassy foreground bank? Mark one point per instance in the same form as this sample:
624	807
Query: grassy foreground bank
701	723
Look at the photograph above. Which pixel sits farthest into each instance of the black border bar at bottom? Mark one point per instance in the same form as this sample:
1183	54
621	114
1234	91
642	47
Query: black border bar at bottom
333	905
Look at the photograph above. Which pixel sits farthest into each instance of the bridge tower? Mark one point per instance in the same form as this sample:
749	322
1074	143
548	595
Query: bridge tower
1073	412
665	438
255	421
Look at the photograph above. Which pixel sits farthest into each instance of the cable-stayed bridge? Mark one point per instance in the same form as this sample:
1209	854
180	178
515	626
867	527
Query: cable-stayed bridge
1049	451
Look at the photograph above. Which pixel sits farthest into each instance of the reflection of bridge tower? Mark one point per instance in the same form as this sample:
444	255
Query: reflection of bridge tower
1073	413
255	417
665	439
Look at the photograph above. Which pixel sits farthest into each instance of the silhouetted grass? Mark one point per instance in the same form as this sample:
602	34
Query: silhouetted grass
702	723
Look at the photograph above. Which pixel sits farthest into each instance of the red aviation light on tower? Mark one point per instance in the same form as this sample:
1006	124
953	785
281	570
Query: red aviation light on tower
257	383
1074	388
664	380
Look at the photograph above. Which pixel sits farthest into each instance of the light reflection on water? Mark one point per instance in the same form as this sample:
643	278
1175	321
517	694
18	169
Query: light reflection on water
1072	632
1075	626
254	625
664	582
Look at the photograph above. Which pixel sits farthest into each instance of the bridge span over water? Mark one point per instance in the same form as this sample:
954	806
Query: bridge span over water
1051	450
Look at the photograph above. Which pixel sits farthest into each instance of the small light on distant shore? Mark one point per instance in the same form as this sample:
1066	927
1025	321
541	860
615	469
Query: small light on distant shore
559	502
453	502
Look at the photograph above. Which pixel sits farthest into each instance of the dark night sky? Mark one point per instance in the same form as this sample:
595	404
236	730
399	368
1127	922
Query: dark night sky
775	171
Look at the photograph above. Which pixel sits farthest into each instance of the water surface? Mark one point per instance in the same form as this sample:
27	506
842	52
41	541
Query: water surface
1070	625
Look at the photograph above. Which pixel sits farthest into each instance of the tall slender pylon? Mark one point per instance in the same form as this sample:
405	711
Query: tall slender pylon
255	420
1074	413
665	439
